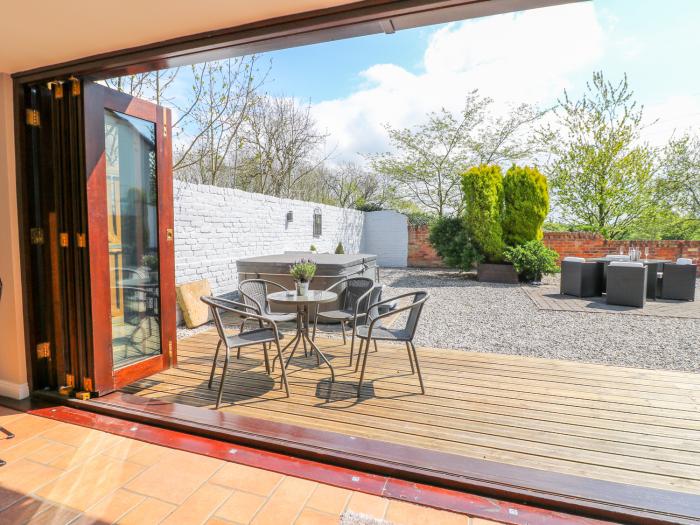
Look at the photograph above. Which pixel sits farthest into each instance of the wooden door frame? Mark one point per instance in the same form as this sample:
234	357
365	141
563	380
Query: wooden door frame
97	98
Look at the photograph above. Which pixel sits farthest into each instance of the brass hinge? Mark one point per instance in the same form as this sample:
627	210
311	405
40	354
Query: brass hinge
165	123
80	240
75	86
70	380
82	395
57	87
36	235
33	118
87	384
169	235
43	350
63	240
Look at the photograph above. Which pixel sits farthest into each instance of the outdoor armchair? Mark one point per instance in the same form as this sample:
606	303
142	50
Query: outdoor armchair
254	294
374	330
626	284
581	278
678	280
265	333
355	294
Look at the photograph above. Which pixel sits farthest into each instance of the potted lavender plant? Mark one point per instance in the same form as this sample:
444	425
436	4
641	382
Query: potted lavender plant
302	272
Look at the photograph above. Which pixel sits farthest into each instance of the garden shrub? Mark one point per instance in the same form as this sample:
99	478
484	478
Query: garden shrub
532	260
450	239
526	204
340	249
482	187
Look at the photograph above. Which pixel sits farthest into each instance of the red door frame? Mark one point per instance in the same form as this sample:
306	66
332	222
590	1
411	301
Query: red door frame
97	98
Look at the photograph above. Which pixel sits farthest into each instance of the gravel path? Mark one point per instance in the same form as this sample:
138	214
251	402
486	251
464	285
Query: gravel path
484	317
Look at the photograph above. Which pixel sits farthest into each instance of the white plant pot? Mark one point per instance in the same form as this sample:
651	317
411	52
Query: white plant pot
302	288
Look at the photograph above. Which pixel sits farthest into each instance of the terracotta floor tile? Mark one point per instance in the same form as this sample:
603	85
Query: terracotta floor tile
367	504
50	452
218	521
150	511
26	427
200	505
25	476
286	502
147	454
127	449
24	449
247	479
315	517
175	477
88	483
481	521
23	510
240	507
331	500
402	513
73	435
54	516
110	508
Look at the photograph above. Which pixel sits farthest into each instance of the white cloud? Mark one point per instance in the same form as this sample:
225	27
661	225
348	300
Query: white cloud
513	58
672	116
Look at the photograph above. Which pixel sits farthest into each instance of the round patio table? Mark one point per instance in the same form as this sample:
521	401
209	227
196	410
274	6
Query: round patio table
304	305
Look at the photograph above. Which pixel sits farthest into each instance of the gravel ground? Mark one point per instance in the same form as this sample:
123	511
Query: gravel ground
465	314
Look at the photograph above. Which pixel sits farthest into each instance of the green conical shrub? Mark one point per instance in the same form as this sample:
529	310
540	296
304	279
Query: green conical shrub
526	199
483	199
339	249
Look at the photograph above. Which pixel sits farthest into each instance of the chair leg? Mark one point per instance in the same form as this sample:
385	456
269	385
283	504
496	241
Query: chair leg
359	355
375	346
342	329
352	341
223	380
364	365
238	353
267	359
283	381
213	365
410	358
420	377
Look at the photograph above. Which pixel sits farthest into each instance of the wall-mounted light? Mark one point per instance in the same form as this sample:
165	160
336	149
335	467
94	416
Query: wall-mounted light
318	229
290	216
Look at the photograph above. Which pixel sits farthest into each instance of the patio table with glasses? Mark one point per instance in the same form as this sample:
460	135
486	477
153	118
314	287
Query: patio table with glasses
305	304
653	267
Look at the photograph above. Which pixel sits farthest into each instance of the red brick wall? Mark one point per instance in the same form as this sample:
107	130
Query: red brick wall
584	244
576	244
420	253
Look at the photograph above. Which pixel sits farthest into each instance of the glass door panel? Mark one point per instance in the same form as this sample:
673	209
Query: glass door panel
132	231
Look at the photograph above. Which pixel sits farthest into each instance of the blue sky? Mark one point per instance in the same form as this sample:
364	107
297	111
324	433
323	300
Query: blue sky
356	86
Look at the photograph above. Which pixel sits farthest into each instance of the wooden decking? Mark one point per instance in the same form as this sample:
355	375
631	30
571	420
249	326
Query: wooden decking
630	426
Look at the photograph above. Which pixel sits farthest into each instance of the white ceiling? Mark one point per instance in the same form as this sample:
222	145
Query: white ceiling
44	32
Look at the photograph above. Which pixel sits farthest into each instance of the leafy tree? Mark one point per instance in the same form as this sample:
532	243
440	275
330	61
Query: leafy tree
483	202
451	241
431	157
526	205
601	172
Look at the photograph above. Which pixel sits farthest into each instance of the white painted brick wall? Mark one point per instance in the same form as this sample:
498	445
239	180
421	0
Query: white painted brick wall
214	227
386	234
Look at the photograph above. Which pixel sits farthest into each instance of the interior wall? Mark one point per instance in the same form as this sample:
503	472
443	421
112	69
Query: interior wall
13	368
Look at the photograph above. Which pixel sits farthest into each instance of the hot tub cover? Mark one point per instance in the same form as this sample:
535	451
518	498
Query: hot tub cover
327	264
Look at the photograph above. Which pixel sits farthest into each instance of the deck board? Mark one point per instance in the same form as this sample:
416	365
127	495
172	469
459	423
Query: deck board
634	426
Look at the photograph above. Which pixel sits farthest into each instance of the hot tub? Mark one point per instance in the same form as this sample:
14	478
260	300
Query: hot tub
330	268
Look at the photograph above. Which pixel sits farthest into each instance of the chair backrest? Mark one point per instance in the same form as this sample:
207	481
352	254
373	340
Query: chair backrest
218	305
419	299
354	288
575	259
627	264
683	260
254	294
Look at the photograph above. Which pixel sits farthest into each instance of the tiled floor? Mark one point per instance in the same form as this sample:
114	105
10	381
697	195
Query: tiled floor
547	297
58	473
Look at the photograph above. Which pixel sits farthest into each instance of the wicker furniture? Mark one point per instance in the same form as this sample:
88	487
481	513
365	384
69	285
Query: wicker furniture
254	293
581	278
677	280
374	331
266	333
626	284
355	296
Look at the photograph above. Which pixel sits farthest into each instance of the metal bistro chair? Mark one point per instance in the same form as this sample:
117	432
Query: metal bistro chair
373	331
354	297
266	333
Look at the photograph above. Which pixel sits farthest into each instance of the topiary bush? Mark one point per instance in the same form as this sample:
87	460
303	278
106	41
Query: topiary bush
482	187
532	260
450	239
526	204
340	249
